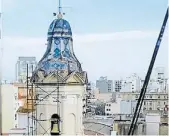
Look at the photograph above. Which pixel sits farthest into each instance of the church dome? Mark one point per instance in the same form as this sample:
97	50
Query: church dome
59	55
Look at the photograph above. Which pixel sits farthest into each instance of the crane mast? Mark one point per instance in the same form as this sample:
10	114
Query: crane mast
1	52
147	78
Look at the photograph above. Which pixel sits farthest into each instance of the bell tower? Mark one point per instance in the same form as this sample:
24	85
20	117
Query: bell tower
61	82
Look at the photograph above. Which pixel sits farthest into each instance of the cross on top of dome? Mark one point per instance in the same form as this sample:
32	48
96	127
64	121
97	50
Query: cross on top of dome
60	16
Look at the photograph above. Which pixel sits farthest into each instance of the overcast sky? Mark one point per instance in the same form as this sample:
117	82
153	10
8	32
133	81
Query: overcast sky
112	38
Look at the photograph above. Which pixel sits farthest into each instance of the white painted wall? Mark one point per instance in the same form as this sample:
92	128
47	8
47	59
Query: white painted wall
23	121
9	107
152	124
127	106
71	108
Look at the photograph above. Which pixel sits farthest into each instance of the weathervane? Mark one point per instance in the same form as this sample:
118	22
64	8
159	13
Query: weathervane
59	8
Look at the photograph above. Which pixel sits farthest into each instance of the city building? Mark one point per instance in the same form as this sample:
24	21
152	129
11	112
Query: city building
112	108
131	84
117	84
104	85
158	81
160	77
9	107
122	123
105	97
14	116
98	125
24	108
21	68
127	106
153	101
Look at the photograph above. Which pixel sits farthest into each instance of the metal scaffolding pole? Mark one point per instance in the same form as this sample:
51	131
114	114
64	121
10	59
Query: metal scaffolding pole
27	82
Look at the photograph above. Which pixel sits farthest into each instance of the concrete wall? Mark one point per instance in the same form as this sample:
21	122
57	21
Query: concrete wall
163	129
122	128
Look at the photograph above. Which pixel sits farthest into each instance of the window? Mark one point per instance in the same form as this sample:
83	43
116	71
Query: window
150	103
15	116
144	103
107	109
136	96
150	108
16	126
109	104
159	96
164	103
150	96
15	97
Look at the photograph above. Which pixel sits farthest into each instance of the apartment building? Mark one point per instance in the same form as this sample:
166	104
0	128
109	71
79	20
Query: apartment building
21	68
131	84
153	101
104	85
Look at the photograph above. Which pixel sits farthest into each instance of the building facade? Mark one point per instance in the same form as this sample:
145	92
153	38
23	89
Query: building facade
155	101
127	106
104	85
21	68
132	84
117	85
9	107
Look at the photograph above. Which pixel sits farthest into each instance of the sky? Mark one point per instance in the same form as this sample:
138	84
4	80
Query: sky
113	38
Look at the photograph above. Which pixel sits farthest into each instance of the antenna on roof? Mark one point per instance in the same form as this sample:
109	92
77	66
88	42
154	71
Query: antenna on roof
60	11
60	7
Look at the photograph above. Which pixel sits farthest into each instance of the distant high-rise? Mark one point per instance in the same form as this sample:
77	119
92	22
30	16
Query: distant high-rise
104	85
21	68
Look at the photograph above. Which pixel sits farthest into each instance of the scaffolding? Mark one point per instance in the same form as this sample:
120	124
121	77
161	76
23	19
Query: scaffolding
35	95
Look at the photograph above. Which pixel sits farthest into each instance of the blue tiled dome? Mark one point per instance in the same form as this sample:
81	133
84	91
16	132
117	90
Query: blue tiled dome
59	55
59	28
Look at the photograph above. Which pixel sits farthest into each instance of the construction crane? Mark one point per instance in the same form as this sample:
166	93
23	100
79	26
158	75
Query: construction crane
147	78
1	55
